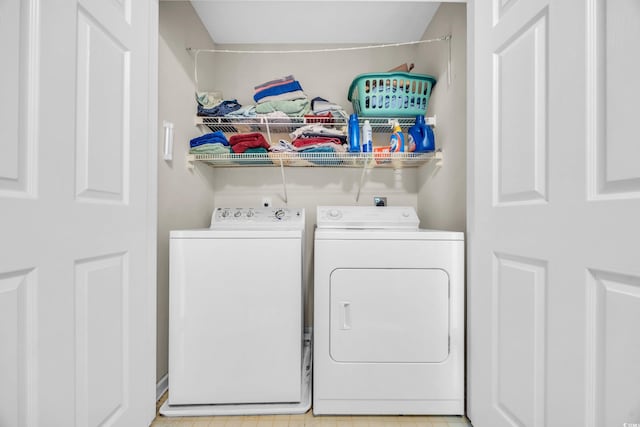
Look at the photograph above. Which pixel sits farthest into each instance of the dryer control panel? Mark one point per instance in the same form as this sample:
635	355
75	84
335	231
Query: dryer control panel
250	218
368	217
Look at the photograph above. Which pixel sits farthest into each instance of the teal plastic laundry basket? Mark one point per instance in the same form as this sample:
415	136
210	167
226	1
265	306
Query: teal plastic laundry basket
395	94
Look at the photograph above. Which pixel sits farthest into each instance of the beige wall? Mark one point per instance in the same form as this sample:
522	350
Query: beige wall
308	188
442	192
326	74
185	198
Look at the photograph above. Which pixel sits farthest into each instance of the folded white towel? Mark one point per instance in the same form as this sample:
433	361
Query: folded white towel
283	146
319	129
324	106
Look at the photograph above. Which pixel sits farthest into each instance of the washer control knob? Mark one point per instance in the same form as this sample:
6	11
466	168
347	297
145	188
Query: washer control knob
250	214
237	214
225	214
279	214
334	214
405	214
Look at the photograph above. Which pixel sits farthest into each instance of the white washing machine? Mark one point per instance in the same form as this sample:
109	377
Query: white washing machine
236	343
388	314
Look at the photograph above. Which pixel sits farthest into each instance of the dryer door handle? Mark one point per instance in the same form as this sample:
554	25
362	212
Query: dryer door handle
345	315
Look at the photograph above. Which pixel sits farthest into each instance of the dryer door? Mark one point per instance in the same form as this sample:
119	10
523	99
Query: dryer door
389	315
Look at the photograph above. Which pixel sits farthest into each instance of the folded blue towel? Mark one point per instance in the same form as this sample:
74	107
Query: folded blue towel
209	138
278	90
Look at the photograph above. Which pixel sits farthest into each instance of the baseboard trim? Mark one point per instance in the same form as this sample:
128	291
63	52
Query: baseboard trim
162	386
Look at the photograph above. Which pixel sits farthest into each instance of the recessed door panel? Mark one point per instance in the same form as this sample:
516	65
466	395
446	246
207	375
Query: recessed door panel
18	113
520	117
103	100
389	315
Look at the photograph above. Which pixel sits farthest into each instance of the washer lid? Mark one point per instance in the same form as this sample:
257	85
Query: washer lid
368	217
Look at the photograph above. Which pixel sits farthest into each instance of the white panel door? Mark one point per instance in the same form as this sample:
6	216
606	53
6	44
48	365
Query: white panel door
554	271
77	209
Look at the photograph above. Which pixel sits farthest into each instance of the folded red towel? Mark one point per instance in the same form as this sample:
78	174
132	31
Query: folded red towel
243	141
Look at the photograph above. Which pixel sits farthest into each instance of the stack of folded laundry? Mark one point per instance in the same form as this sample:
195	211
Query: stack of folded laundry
311	131
318	144
321	106
248	143
284	95
211	104
309	148
313	139
210	143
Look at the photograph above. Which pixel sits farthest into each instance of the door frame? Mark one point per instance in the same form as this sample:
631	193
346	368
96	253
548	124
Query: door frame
152	197
470	188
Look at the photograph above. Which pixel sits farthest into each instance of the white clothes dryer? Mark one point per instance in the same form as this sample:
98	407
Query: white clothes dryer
388	314
236	342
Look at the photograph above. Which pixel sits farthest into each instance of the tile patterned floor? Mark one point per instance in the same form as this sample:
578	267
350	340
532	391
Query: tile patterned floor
308	420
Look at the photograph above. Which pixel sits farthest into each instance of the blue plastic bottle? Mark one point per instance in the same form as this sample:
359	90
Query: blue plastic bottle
354	134
422	136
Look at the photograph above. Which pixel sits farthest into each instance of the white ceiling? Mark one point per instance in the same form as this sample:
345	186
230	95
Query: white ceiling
315	21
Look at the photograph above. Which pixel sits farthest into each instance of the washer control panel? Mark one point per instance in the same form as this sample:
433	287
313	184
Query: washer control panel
368	217
242	218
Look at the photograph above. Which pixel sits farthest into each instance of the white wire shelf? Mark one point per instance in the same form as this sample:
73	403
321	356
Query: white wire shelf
301	159
287	125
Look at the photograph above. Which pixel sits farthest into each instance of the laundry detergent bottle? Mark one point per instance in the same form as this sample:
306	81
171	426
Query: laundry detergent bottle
421	136
396	142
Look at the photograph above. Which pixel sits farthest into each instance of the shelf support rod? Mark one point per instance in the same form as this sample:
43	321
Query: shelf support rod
284	182
339	49
266	121
449	62
364	169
